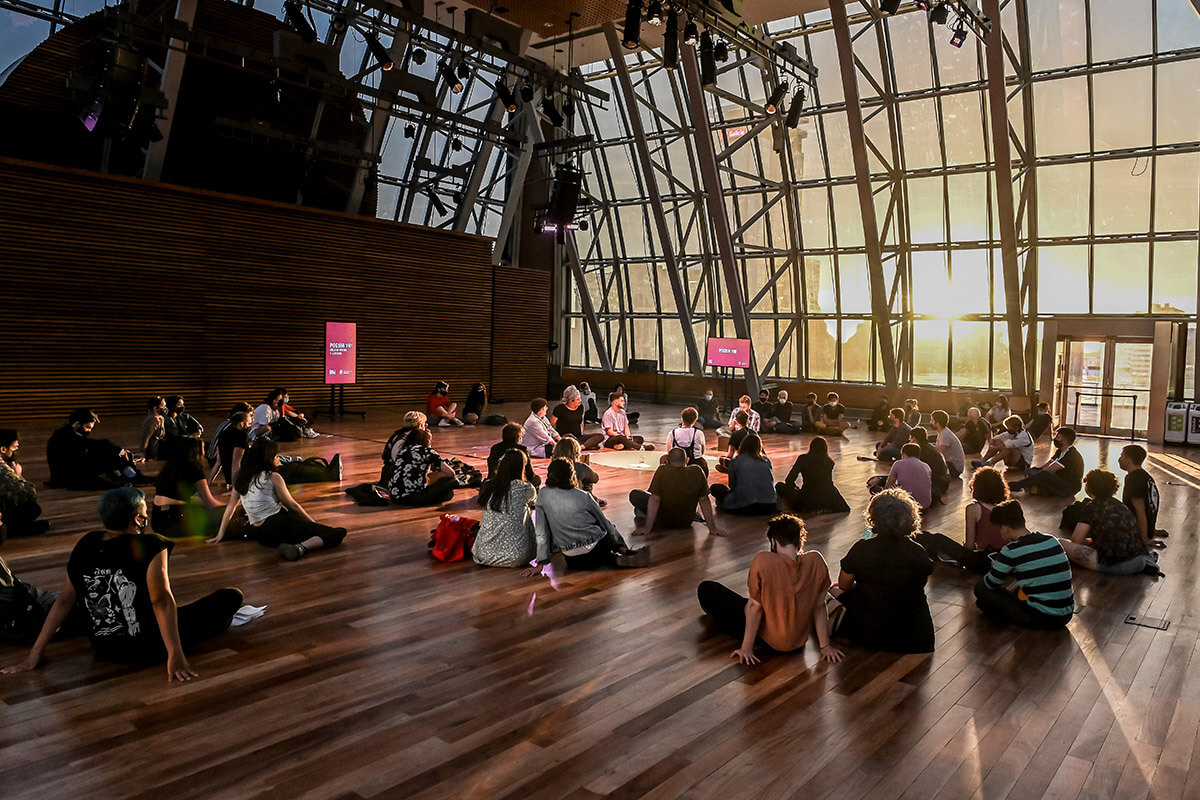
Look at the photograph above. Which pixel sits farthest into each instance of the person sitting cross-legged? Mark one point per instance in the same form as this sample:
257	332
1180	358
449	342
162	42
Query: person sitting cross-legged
912	475
975	432
440	409
949	445
510	439
1038	566
1106	538
897	437
119	577
690	437
18	496
567	520
833	417
416	461
781	420
1141	494
616	427
540	436
816	491
765	410
568	448
988	489
178	426
939	472
1041	421
1013	447
77	461
881	418
1062	475
675	490
709	411
788	587
810	413
567	419
751	489
506	537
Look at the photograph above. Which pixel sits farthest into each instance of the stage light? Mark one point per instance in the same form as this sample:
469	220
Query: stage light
418	56
708	64
456	144
506	96
633	25
297	20
654	13
796	108
339	23
776	96
671	41
889	6
450	78
940	14
464	72
410	131
527	92
923	5
721	51
568	107
551	112
959	37
691	34
379	51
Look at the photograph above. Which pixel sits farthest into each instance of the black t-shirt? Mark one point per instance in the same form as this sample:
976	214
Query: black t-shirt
568	422
737	437
230	439
1139	484
1038	425
109	577
1072	467
886	609
181	485
764	409
783	411
833	410
707	408
499	449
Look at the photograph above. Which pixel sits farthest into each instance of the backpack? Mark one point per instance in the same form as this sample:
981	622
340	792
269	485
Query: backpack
464	474
452	539
21	612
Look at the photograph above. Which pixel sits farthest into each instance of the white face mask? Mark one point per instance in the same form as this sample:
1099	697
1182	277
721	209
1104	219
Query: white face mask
708	397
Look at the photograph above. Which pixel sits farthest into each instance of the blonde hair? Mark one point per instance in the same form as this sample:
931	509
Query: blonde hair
415	419
568	448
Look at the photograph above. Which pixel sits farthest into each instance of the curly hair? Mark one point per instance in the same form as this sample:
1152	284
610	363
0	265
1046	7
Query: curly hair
787	529
893	512
989	486
1100	483
561	475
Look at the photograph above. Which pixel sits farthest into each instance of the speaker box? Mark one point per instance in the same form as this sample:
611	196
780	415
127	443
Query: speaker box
642	366
564	196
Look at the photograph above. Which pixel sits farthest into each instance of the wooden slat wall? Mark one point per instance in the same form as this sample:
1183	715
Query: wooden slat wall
520	332
114	289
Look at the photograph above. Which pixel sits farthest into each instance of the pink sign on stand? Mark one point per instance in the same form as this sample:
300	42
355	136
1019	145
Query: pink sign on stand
341	352
728	353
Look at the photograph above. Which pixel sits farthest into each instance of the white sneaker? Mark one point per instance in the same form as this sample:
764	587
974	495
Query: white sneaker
457	422
309	433
443	423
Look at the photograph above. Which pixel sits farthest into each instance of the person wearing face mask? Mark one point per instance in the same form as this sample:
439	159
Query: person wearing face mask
77	461
288	411
153	426
18	496
1062	475
119	577
710	412
177	426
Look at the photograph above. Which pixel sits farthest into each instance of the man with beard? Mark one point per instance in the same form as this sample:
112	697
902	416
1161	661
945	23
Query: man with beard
78	461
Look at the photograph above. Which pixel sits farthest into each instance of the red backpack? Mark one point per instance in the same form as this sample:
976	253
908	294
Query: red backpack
452	539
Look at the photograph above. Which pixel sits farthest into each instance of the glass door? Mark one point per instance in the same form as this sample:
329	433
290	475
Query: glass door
1103	385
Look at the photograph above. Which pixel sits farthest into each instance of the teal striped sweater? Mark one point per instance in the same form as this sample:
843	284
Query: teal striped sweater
1040	567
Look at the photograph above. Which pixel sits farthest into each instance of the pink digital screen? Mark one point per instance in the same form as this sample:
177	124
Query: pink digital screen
341	351
728	353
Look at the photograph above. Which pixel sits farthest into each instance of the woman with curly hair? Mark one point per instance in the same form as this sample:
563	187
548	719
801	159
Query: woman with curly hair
989	489
1106	538
882	581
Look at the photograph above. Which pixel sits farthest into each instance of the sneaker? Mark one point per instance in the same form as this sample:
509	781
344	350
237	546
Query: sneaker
976	464
634	558
335	468
647	447
443	423
600	501
292	552
458	423
309	433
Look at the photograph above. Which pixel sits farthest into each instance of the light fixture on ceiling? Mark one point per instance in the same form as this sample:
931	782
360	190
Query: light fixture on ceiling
419	56
708	64
776	98
297	20
939	14
691	34
633	25
551	112
959	36
379	51
654	13
889	6
721	51
671	41
796	109
450	78
506	96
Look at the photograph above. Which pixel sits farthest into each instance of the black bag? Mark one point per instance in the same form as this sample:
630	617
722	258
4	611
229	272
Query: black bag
365	495
1072	514
876	483
465	475
493	419
22	610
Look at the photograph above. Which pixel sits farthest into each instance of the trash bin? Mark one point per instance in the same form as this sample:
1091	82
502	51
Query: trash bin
1193	426
1176	427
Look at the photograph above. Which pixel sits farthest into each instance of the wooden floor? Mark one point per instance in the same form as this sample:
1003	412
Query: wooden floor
379	673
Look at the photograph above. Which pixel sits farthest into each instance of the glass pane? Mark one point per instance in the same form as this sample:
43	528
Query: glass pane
822	349
814	218
1060	112
1177	198
1121	275
969	281
1057	31
1178	25
1122	196
818	277
968	207
926	210
1179	101
922	148
1062	280
1175	268
930	285
856	350
971	353
930	350
1063	200
1131	375
847	216
1123	108
909	35
964	122
1085	367
1121	29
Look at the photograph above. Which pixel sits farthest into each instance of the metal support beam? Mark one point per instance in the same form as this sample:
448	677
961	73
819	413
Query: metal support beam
654	200
512	204
1005	205
880	308
715	202
185	13
480	167
585	304
380	117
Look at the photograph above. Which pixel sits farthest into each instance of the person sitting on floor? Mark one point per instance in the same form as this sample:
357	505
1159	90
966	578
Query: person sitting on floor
788	587
510	439
912	475
275	518
939	472
270	424
912	412
811	413
690	438
78	461
739	428
675	490
178	426
232	443
897	437
833	417
1062	475
633	416
183	501
289	412
751	489
539	437
153	429
585	476
1106	538
1014	447
18	497
475	405
506	537
567	419
709	410
416	461
1041	421
616	427
816	492
1037	564
999	413
765	410
975	432
949	445
212	450
1141	494
882	580
988	489
24	610
881	415
568	521
591	408
781	420
119	576
753	420
439	408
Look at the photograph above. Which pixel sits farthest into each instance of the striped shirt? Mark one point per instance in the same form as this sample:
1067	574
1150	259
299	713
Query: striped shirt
1040	567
